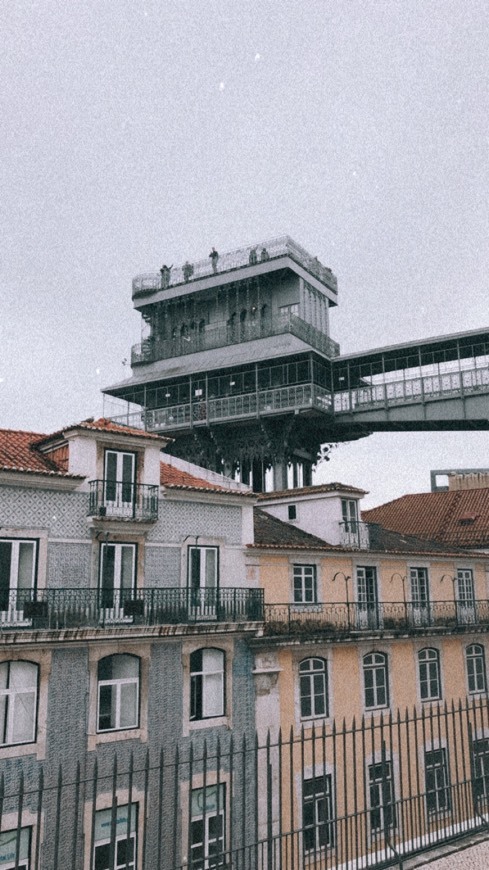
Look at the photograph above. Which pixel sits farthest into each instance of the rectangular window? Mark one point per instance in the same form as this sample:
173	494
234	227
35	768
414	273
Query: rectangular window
292	511
207	673
382	801
15	849
208	827
317	814
480	773
437	782
367	594
117	575
17	573
349	512
115	838
305	591
203	578
119	483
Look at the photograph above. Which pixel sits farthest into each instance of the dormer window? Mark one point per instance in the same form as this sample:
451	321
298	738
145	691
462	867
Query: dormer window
120	480
349	512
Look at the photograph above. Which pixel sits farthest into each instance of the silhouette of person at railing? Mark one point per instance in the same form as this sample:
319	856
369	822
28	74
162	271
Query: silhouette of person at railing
264	255
188	270
165	272
214	258
253	257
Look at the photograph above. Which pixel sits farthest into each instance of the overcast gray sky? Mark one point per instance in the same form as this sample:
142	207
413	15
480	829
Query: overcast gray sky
136	132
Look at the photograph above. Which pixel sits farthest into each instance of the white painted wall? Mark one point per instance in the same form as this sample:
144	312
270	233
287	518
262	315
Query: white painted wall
317	513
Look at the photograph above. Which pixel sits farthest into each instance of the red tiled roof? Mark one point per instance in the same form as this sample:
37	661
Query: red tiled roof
17	453
457	518
175	478
101	425
310	490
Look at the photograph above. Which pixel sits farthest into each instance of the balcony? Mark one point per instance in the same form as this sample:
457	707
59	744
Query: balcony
53	609
354	535
222	335
283	246
341	619
259	403
115	499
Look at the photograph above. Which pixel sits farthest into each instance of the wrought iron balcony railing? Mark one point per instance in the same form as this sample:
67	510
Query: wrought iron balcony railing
340	618
354	534
122	500
80	608
224	334
283	246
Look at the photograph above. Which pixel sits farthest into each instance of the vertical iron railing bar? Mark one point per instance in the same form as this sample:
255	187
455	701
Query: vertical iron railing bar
58	817
368	803
354	733
280	774
218	787
38	818
113	817
175	807
345	791
244	781
419	802
402	804
256	795
454	757
364	783
76	813
468	748
129	814
205	762
146	807
231	798
291	794
94	810
190	783
300	808
411	817
441	742
19	821
269	804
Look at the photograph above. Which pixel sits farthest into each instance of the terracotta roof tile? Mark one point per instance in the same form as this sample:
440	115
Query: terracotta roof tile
175	478
17	453
458	518
310	490
101	425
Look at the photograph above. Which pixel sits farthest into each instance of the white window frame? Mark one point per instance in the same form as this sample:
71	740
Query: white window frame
429	670
120	837
115	609
117	685
13	696
122	500
349	512
313	678
474	674
15	604
480	771
199	680
217	809
24	849
378	665
324	793
441	786
304	576
380	784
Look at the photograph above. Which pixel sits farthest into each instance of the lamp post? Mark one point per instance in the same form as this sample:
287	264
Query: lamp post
346	578
454	581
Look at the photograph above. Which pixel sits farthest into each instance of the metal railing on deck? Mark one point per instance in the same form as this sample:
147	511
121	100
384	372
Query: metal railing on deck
340	618
301	396
354	533
237	259
123	500
223	335
78	608
333	795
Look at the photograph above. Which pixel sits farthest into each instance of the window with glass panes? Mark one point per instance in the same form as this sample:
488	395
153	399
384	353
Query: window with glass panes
437	781
17	572
381	792
375	680
313	679
18	702
206	683
305	591
429	674
480	772
117	574
208	827
115	838
317	813
476	668
15	847
349	512
118	692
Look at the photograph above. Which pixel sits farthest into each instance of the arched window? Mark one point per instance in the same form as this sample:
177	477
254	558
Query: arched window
18	700
429	674
313	680
206	683
118	692
476	668
375	678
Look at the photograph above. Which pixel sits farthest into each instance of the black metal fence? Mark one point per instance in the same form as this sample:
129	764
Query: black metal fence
78	608
366	794
337	618
123	500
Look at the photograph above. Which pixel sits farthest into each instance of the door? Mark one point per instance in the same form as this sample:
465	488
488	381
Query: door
203	581
367	598
119	483
117	580
17	578
420	596
465	596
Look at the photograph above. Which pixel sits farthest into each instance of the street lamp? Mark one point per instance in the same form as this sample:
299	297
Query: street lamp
403	579
346	578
